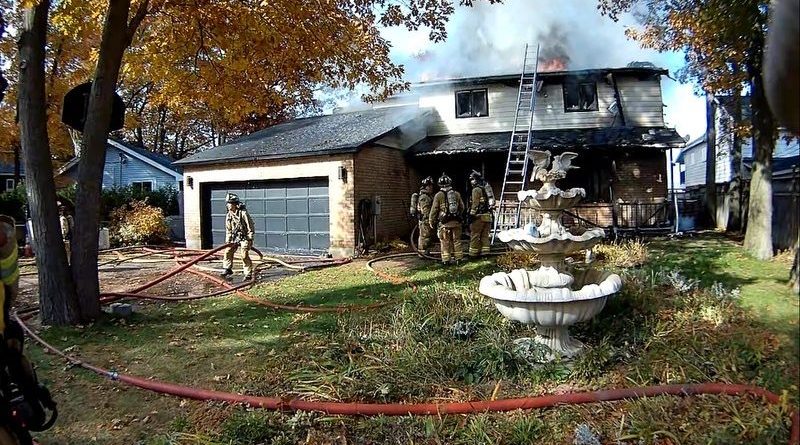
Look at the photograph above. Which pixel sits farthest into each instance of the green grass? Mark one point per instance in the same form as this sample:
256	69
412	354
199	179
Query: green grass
763	284
445	342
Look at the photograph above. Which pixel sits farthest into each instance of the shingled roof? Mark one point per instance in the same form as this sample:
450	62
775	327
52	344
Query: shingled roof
334	133
615	137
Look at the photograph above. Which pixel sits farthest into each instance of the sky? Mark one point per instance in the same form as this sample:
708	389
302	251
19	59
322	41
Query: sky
490	39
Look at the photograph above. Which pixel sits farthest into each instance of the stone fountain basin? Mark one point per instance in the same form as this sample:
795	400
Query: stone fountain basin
518	299
552	199
567	243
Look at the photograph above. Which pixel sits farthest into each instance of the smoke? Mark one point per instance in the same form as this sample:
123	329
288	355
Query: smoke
490	39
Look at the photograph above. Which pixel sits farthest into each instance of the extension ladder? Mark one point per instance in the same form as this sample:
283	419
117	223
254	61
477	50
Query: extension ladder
508	214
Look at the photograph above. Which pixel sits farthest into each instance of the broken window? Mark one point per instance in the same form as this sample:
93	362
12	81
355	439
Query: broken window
472	103
580	95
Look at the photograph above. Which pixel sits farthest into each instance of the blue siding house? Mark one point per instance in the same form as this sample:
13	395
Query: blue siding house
7	182
129	165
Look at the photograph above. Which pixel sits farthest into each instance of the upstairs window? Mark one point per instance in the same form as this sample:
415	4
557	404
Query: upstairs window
472	103
580	95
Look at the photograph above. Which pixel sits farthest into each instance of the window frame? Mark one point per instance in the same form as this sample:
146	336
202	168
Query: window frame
10	185
141	186
577	84
472	92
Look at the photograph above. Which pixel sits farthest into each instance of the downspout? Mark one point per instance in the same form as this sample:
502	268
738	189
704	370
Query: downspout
674	194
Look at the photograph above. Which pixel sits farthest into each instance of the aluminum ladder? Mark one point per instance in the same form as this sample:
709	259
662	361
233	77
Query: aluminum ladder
508	214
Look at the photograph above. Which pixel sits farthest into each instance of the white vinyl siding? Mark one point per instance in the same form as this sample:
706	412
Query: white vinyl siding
641	101
695	167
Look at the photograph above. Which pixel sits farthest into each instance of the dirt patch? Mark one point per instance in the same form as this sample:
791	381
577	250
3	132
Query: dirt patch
128	275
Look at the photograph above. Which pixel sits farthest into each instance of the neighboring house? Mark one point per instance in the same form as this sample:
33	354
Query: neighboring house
129	165
692	158
7	182
785	171
331	183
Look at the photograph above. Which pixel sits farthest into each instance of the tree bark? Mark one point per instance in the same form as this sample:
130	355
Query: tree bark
758	237
711	159
735	193
90	167
57	298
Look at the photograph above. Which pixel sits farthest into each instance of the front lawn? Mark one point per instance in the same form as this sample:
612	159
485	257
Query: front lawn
443	343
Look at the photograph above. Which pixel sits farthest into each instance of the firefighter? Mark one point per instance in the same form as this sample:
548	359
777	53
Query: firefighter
23	401
446	211
238	230
420	209
480	215
67	226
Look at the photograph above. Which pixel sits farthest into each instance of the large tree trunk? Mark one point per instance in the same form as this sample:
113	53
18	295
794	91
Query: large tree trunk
57	297
794	274
735	218
758	237
90	169
711	159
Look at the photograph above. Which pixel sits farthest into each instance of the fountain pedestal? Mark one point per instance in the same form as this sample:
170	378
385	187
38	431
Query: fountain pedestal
552	297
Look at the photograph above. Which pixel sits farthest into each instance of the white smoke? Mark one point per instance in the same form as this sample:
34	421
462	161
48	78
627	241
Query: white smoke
490	39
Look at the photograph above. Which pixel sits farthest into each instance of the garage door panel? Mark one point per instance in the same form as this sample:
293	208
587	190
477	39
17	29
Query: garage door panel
276	241
287	215
320	241
295	206
275	224
256	193
297	192
319	223
298	241
256	207
318	191
275	192
297	224
318	205
218	221
260	224
218	194
275	207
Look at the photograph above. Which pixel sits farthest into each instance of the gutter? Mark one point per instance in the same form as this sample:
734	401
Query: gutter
306	154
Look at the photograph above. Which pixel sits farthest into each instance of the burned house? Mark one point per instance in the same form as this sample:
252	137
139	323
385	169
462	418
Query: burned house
335	182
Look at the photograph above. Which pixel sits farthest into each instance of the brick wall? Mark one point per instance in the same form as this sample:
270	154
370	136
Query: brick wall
341	201
641	176
384	172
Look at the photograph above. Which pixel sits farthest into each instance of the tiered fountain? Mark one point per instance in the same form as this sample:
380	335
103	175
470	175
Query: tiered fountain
554	296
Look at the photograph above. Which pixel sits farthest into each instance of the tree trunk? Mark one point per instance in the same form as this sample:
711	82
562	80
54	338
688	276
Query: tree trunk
735	219
711	159
758	237
57	297
794	275
90	168
17	172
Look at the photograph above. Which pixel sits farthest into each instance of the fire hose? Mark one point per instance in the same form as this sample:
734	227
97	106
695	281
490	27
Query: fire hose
395	409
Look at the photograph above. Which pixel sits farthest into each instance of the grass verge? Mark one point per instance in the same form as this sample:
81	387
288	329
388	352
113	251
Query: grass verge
447	343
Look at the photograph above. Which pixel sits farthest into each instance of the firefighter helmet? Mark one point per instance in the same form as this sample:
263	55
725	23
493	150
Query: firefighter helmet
445	180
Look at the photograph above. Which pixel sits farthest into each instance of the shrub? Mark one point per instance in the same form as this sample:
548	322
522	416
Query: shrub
165	198
138	223
629	253
13	202
517	259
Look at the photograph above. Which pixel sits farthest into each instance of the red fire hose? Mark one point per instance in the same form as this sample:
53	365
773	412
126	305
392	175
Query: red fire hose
429	409
394	409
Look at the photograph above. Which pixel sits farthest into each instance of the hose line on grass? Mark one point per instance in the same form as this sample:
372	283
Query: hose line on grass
427	409
389	409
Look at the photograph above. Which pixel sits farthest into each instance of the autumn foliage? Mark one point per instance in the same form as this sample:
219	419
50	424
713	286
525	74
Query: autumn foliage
138	223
